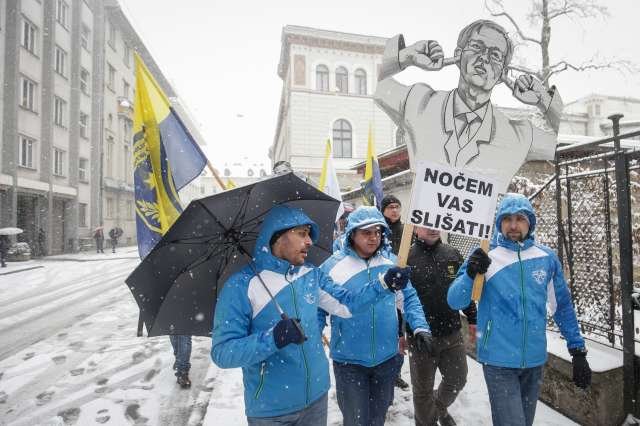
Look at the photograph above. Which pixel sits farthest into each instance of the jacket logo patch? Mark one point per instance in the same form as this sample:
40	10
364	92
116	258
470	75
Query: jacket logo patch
540	276
451	270
310	298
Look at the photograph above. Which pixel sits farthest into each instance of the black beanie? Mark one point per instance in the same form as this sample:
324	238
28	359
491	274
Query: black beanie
388	199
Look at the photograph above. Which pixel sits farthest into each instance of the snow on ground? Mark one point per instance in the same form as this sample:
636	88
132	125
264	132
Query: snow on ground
69	355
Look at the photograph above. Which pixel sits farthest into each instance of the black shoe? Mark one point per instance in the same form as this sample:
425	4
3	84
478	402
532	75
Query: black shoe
183	379
401	384
445	419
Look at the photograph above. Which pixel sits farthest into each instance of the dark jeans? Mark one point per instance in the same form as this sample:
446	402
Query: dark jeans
365	393
182	352
513	394
314	415
450	357
114	244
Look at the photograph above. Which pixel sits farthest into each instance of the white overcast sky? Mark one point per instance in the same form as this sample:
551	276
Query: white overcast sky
222	56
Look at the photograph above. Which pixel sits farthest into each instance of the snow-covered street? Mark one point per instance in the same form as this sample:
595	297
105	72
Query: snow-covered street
69	355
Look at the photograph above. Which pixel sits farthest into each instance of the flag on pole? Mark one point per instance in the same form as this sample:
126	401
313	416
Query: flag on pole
165	157
372	184
329	178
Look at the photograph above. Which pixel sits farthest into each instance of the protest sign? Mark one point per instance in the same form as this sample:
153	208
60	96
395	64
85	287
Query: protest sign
453	200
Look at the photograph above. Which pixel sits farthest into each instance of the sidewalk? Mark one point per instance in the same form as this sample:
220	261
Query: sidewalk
129	252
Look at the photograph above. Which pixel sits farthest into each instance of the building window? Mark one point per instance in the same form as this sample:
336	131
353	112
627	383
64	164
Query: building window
61	61
125	89
597	110
29	36
26	147
112	35
130	213
28	98
109	156
111	77
110	208
58	162
127	164
126	55
62	12
342	80
322	78
227	172
85	37
342	136
361	81
84	81
84	125
82	214
59	112
82	169
127	127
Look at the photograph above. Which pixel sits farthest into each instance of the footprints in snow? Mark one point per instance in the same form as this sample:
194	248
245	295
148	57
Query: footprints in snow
60	359
28	356
132	414
70	415
103	416
44	397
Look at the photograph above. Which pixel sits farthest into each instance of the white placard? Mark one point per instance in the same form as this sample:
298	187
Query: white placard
453	200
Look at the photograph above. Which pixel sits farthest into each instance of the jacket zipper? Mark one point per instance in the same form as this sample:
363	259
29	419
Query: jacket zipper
304	356
487	332
373	320
261	384
524	312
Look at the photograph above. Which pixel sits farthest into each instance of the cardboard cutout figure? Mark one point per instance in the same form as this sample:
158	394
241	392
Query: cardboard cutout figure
461	128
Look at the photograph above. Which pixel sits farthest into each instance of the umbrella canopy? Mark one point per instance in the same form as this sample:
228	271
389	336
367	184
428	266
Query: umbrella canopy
176	286
10	231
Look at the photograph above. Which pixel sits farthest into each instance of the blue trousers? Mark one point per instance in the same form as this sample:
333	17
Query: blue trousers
182	352
513	394
365	393
314	415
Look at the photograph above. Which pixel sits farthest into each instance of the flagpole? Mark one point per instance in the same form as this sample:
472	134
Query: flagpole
215	175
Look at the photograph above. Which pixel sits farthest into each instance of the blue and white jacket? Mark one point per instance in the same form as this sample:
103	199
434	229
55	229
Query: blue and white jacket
523	280
370	337
280	381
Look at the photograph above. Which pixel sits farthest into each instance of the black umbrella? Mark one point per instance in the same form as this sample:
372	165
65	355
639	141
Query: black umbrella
176	286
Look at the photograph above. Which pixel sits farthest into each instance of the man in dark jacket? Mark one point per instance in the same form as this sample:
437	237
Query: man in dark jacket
434	266
391	209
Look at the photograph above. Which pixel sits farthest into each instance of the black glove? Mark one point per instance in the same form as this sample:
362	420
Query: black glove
581	369
288	331
424	342
478	263
396	278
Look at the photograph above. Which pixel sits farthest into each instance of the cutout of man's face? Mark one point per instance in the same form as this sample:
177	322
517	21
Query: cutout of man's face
482	59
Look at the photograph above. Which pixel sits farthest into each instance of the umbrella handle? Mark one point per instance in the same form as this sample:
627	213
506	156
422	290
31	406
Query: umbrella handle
297	324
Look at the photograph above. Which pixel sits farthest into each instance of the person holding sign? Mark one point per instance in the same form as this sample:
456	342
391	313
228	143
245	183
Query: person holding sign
460	127
364	346
434	266
522	277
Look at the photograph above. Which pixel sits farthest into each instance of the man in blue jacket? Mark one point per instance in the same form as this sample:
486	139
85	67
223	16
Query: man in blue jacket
522	278
364	347
284	367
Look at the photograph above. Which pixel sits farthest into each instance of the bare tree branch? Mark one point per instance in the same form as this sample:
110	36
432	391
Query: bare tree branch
523	69
579	8
619	65
502	12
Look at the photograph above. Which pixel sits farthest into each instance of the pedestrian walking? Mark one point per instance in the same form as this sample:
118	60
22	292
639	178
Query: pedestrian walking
521	277
284	366
98	236
364	346
5	243
182	352
114	234
42	243
434	265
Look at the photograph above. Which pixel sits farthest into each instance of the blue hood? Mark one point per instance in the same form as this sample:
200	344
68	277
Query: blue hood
365	216
280	217
516	203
